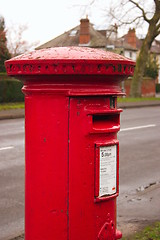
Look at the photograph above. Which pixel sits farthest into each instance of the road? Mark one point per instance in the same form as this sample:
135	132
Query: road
138	203
11	178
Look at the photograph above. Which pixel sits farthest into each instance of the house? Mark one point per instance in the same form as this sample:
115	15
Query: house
82	35
132	40
155	49
148	85
86	35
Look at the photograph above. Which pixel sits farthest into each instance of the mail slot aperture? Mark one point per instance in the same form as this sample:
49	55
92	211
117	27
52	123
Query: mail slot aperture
106	122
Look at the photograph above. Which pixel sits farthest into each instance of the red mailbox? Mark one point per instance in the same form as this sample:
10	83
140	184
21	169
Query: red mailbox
72	151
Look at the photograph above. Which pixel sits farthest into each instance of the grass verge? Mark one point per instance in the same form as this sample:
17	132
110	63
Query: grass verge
143	99
149	233
7	106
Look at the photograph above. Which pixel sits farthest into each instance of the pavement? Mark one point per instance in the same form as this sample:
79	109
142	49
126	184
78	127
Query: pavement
20	113
12	114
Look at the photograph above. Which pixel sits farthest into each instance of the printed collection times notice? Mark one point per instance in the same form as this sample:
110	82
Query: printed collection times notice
108	170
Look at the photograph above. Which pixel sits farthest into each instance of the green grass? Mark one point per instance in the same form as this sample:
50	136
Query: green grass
7	106
149	233
142	99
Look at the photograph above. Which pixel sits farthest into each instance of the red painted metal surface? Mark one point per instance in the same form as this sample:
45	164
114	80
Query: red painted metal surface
70	61
70	114
89	216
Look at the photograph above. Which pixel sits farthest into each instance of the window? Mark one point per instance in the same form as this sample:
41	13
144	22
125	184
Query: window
130	54
73	33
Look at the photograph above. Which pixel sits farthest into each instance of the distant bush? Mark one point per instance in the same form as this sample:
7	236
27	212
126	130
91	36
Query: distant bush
10	90
151	69
158	88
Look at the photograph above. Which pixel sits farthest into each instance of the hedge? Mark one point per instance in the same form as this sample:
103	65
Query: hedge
10	91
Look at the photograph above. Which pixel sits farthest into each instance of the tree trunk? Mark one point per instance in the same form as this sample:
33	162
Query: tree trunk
153	31
139	70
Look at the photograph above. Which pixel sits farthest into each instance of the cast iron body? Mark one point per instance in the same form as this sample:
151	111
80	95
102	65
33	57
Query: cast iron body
71	118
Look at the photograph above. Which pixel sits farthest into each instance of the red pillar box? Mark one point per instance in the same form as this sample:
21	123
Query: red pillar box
72	151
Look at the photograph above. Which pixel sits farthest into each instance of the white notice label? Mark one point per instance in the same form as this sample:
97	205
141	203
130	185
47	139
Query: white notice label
108	170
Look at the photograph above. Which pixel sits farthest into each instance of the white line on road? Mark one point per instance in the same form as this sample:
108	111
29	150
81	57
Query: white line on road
138	127
6	148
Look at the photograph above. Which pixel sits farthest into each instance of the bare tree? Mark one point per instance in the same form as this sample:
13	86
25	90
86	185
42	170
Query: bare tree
136	13
4	53
16	42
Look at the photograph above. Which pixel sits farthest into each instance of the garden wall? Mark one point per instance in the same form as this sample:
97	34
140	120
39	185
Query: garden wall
148	87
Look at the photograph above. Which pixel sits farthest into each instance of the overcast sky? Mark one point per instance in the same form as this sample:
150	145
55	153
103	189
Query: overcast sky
49	18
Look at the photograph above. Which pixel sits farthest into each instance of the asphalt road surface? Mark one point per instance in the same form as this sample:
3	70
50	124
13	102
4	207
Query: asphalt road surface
138	203
11	178
139	200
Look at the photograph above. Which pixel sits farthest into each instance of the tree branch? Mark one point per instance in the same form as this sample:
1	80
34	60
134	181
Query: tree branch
157	3
130	22
142	10
122	15
158	28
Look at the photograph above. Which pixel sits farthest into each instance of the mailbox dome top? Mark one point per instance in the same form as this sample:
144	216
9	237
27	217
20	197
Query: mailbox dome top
70	60
75	53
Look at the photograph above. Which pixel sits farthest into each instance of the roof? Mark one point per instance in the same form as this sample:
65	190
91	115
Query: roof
155	47
97	40
71	38
121	44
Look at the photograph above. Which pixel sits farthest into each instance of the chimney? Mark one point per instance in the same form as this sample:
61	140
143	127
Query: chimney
131	37
84	36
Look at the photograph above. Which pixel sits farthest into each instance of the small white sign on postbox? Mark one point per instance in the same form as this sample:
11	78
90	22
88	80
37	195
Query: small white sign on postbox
108	170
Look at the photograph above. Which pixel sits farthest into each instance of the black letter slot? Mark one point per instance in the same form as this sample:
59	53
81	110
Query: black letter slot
106	123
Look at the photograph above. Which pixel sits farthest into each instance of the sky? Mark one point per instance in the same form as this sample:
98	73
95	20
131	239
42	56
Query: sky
48	19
